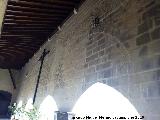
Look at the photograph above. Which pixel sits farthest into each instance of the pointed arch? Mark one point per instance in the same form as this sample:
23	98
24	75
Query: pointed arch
101	99
47	108
29	104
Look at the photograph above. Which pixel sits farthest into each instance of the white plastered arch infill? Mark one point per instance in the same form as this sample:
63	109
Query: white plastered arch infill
103	100
47	108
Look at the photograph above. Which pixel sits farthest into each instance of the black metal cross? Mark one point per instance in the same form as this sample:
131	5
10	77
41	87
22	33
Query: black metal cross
40	70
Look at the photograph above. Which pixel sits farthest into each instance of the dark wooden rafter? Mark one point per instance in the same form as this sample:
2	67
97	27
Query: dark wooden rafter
36	10
27	25
35	13
25	17
29	21
23	49
54	2
42	4
20	39
12	54
26	31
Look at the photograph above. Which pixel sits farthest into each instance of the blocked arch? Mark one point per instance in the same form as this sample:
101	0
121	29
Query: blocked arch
47	108
101	99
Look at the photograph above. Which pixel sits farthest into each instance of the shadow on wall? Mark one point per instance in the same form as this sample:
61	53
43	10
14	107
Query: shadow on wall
103	100
5	99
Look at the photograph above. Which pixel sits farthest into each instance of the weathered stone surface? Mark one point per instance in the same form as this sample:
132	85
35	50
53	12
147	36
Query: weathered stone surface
96	49
99	37
157	63
103	66
152	117
5	81
112	82
145	26
102	41
107	73
93	57
152	12
94	62
154	89
101	53
85	65
135	91
154	47
91	77
122	69
90	70
89	53
156	34
91	46
143	51
147	64
157	21
157	75
143	39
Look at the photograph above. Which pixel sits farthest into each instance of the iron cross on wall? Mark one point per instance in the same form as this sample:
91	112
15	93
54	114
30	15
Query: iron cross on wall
40	70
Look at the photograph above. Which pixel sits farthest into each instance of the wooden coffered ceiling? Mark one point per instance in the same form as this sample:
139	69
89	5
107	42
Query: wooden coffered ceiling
27	24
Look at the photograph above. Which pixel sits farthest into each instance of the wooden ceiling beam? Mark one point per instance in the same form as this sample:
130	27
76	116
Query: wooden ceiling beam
29	32
13	35
34	33
23	20
40	37
23	49
38	5
28	27
21	43
15	52
55	2
28	23
32	22
19	18
26	33
19	39
27	17
7	55
25	43
36	10
11	12
21	30
9	25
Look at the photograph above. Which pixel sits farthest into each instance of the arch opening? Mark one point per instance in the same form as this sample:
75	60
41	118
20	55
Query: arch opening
103	100
5	99
47	108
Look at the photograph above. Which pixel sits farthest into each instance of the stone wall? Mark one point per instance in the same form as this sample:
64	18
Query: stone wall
122	51
3	4
5	81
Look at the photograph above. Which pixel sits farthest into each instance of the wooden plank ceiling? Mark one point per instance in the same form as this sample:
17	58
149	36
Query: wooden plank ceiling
27	25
